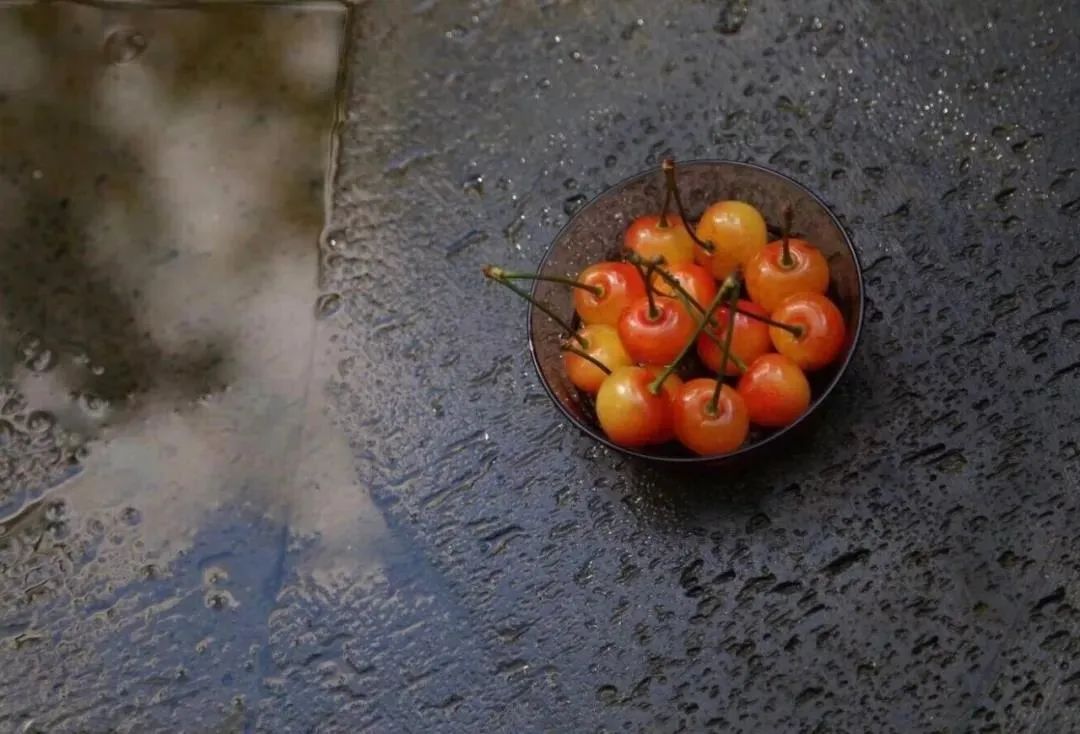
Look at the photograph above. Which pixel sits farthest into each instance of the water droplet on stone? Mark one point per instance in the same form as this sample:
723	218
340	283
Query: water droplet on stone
124	45
327	305
732	16
572	205
335	239
40	422
94	405
131	516
474	183
220	599
215	575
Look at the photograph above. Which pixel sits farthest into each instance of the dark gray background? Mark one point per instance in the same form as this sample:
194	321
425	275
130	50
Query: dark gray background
910	567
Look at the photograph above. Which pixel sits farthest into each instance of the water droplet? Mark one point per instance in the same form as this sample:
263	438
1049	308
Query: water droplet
629	31
220	599
570	184
15	404
35	355
573	204
577	56
327	305
131	516
215	575
124	45
94	405
474	183
610	161
732	16
335	239
40	422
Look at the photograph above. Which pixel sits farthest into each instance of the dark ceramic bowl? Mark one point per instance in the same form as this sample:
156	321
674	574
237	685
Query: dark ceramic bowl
596	232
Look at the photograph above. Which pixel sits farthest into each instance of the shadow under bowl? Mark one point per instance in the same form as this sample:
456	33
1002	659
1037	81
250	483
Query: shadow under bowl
595	233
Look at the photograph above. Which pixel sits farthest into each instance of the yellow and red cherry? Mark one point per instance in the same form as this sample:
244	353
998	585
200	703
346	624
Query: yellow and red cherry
709	421
660	236
669	389
696	282
611	288
654	330
736	231
589	365
785	267
815	332
775	390
749	341
631	414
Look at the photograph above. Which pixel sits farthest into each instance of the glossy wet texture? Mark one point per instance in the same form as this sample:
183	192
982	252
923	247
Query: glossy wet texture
910	567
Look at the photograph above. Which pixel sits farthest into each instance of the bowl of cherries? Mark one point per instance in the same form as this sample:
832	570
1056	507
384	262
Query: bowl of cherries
694	316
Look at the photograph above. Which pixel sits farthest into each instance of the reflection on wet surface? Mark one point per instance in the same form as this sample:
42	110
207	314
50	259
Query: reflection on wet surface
162	196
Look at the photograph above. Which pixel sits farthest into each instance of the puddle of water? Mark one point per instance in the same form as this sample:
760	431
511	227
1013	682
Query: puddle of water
162	195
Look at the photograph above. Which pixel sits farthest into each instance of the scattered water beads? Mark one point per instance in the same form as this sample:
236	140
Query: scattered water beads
35	355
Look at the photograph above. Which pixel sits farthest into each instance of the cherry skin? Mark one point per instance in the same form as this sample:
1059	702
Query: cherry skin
704	431
603	345
670	389
650	239
695	280
736	231
749	341
655	338
822	325
775	391
629	413
619	283
769	280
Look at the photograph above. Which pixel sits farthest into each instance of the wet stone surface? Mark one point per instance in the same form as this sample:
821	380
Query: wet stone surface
354	509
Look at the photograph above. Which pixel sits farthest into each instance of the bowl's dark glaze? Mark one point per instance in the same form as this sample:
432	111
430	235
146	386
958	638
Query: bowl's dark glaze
595	233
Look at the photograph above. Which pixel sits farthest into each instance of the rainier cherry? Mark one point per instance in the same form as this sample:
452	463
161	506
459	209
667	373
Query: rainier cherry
629	412
664	236
706	426
669	389
614	286
695	280
786	267
736	231
775	390
603	346
819	326
750	340
654	330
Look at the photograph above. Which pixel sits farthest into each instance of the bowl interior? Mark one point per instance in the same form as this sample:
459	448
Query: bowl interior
595	233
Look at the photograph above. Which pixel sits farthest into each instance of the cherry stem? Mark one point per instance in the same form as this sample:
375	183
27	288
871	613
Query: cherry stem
646	275
691	302
730	285
673	187
715	401
664	209
585	355
795	331
785	259
496	274
500	274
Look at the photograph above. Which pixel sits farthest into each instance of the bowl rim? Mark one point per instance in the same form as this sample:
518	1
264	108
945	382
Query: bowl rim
744	450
